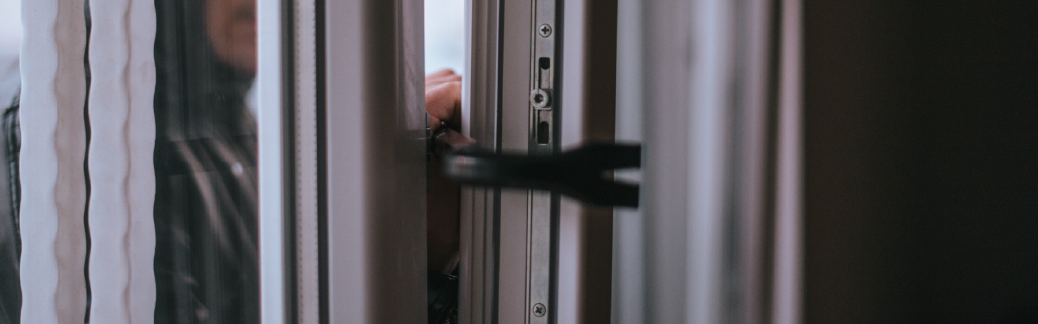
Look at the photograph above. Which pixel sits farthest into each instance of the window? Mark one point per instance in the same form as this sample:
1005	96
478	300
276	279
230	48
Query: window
445	35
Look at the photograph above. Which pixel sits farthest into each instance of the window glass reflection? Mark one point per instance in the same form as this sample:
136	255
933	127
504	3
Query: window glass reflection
10	242
206	261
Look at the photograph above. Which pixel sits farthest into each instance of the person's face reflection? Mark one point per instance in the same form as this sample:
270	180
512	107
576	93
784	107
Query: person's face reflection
231	27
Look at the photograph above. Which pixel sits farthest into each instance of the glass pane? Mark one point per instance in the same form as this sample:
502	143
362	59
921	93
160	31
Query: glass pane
206	261
444	35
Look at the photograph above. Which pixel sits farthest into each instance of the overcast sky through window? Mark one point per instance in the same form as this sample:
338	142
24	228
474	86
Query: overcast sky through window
10	26
444	35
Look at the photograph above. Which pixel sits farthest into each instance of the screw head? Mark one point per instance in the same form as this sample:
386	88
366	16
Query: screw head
540	98
544	30
539	310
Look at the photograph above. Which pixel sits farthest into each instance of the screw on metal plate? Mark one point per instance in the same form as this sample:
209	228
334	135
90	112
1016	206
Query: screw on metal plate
544	30
539	310
540	98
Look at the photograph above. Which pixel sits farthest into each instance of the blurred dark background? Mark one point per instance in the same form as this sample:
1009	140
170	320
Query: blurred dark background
921	161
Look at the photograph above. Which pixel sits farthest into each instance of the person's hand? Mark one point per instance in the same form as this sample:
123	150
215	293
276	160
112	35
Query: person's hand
443	99
443	102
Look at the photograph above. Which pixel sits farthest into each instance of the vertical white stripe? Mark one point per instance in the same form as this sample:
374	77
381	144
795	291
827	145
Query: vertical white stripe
788	203
479	120
122	123
710	108
271	226
142	172
665	84
573	109
629	224
306	162
376	168
51	168
348	169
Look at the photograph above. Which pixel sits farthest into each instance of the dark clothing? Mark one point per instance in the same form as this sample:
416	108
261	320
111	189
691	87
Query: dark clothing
10	240
206	226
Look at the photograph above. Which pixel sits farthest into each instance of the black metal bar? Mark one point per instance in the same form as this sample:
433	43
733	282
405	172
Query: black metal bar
579	173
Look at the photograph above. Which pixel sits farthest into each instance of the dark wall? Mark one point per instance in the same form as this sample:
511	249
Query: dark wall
921	157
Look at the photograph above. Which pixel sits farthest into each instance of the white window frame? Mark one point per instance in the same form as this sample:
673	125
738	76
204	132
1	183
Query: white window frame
359	172
697	86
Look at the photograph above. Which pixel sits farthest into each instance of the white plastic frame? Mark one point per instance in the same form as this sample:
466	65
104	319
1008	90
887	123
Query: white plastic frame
372	193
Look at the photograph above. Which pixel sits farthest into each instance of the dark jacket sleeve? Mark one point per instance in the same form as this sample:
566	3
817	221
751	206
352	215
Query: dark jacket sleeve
10	239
